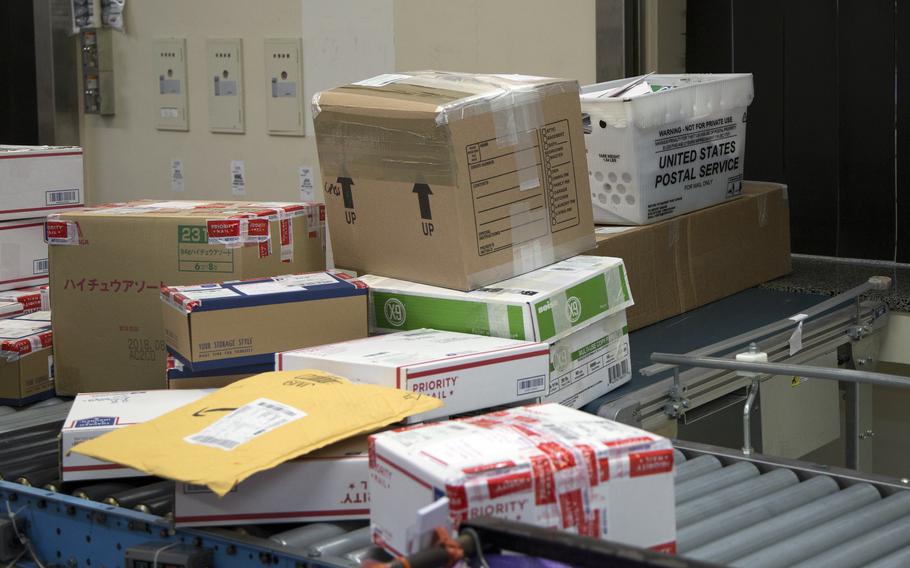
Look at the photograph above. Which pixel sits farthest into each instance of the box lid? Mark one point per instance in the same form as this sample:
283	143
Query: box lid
444	95
106	410
13	151
9	307
21	335
262	291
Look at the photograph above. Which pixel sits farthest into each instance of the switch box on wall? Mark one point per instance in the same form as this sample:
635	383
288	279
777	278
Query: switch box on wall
225	85
284	95
171	89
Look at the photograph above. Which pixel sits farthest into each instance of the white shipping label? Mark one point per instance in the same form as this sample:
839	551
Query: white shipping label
238	177
177	175
246	423
305	183
317	279
208	293
259	288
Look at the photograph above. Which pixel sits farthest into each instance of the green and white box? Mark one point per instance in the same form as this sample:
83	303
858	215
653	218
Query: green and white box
543	305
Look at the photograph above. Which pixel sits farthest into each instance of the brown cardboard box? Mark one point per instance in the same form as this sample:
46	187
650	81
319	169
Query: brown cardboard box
452	179
680	264
109	262
26	361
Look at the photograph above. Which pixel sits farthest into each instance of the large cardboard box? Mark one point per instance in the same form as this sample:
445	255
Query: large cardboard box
109	263
686	262
26	359
245	322
330	484
453	179
38	180
94	414
23	253
546	465
467	372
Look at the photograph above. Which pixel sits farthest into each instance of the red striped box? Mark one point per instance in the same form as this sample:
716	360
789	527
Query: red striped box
23	253
39	180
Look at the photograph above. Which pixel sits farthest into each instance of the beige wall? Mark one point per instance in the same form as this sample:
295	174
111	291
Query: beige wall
127	158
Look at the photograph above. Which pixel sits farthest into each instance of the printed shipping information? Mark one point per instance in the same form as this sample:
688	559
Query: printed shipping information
245	322
466	372
38	180
254	425
113	308
453	179
330	484
26	358
23	254
546	465
670	145
94	414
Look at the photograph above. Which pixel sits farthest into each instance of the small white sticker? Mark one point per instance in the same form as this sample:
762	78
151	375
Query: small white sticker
50	366
169	112
245	423
796	339
260	288
305	183
238	177
798	317
316	279
177	175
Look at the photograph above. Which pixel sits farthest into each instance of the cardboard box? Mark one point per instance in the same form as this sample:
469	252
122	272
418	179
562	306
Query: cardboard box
453	179
327	485
32	299
546	465
545	304
94	414
109	263
23	261
671	145
467	372
683	263
245	322
38	180
26	359
179	377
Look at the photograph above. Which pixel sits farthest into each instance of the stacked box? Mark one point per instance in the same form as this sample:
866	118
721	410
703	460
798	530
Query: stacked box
33	299
36	181
546	465
24	253
180	377
26	358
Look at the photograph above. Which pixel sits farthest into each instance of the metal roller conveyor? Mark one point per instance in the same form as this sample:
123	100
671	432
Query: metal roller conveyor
160	505
305	536
142	495
99	491
40	478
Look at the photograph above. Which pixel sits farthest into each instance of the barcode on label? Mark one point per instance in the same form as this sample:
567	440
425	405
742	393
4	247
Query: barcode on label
61	197
246	423
615	372
213	441
532	384
39	266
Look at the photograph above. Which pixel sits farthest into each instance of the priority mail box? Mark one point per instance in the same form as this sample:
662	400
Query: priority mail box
111	261
94	414
453	179
674	144
467	372
26	359
23	253
330	484
546	465
31	299
245	322
548	303
38	180
181	377
10	309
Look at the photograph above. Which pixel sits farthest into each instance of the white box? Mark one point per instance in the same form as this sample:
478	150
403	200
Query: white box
546	465
38	180
32	299
9	309
23	253
590	362
467	372
655	155
327	485
94	414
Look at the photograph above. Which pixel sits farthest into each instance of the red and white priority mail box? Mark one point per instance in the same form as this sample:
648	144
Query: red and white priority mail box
547	465
94	414
467	372
39	180
23	253
327	485
31	299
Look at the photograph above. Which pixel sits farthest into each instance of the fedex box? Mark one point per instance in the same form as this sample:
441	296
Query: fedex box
671	145
327	485
94	414
39	180
546	465
467	372
23	253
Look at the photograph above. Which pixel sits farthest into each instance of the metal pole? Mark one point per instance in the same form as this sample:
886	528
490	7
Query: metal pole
747	417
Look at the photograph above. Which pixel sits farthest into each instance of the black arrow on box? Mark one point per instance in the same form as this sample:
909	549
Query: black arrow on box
346	184
423	198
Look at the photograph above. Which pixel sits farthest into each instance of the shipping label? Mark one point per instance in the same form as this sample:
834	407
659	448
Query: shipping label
195	254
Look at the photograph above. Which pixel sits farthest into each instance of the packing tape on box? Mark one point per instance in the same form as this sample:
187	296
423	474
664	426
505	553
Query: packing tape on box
11	350
762	203
60	232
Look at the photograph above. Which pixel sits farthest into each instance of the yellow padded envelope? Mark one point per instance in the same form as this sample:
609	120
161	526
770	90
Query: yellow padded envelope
253	425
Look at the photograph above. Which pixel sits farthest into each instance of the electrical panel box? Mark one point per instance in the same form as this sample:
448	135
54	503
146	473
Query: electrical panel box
97	72
171	105
225	76
284	94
